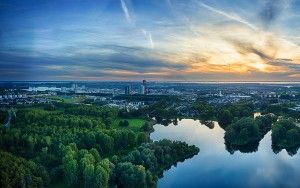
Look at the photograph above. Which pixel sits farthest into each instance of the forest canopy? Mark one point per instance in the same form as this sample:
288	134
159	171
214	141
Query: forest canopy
83	145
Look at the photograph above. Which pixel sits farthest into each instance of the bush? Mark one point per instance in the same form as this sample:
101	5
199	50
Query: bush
124	123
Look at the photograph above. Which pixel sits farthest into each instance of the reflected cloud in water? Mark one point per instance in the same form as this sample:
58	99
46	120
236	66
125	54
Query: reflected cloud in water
214	166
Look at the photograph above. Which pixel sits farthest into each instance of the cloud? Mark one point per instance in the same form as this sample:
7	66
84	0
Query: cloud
288	63
296	76
271	10
148	36
269	60
146	33
230	16
218	39
126	11
113	59
246	48
181	16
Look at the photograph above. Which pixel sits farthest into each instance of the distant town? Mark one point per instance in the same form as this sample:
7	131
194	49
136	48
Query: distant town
134	95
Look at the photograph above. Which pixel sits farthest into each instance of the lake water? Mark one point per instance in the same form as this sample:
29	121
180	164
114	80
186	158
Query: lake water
214	166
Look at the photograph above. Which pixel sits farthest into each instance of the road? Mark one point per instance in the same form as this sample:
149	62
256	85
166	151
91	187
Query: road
7	124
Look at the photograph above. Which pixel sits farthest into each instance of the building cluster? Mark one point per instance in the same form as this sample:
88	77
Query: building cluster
128	105
270	95
143	90
13	96
20	99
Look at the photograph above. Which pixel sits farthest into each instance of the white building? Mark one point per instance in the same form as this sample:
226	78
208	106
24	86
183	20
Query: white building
142	90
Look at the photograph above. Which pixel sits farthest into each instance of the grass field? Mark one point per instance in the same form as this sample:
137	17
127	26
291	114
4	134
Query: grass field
134	124
67	99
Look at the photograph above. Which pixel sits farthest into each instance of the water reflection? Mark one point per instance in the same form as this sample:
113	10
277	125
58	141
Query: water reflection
291	151
207	123
248	148
214	166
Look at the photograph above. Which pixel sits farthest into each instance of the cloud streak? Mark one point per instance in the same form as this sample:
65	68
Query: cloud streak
229	16
148	36
146	33
126	11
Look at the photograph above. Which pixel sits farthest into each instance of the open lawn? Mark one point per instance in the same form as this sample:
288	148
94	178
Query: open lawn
67	99
134	124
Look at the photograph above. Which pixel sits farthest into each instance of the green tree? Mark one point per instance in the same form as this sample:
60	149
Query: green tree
88	175
244	131
224	118
70	169
95	154
265	122
285	135
124	123
142	138
101	177
131	176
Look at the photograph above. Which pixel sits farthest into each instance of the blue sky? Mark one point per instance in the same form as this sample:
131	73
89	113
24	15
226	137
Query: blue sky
189	40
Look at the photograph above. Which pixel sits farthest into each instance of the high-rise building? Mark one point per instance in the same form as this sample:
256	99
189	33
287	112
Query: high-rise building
145	87
128	90
74	86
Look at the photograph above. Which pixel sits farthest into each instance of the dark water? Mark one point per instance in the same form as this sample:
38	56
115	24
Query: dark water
214	166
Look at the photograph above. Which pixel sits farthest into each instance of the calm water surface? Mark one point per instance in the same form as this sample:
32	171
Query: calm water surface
214	166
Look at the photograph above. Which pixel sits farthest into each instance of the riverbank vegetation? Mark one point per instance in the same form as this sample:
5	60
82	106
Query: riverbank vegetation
285	135
245	134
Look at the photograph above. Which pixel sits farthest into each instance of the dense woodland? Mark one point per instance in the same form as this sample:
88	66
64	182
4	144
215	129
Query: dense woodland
86	146
3	116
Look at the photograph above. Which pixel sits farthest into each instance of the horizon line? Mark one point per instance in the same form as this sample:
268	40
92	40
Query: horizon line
166	81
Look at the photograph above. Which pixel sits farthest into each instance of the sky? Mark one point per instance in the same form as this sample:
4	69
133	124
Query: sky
163	40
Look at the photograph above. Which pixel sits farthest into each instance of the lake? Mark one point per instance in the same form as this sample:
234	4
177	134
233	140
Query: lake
214	166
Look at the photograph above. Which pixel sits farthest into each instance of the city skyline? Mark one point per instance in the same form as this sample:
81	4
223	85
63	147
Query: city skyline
169	40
